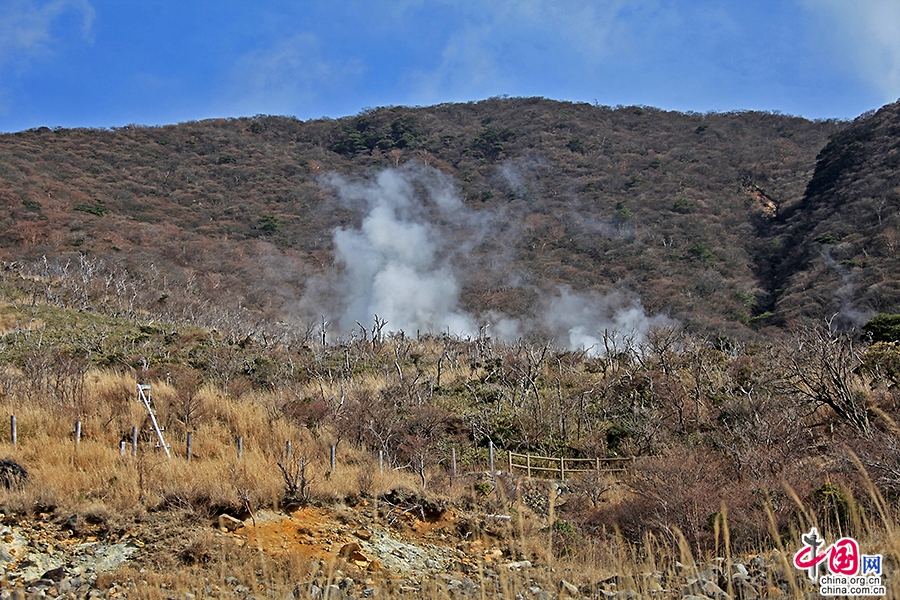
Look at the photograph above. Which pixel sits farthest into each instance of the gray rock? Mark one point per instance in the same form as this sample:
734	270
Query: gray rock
568	588
332	592
707	588
345	583
55	574
711	574
743	589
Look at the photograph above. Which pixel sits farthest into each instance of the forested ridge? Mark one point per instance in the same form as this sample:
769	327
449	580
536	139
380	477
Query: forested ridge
714	220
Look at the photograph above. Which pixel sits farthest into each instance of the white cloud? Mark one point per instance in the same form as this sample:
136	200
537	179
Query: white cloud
26	27
286	77
468	66
491	36
863	38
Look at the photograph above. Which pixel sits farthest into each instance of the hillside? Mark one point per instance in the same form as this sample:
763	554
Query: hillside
270	280
838	246
561	208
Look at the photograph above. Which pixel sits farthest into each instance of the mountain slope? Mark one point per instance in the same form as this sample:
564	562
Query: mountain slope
672	208
840	243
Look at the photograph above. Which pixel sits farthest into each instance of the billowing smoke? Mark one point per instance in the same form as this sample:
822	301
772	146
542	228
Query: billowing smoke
409	258
397	264
848	316
579	320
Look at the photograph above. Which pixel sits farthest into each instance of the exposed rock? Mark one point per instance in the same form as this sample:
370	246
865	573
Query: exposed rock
346	583
229	523
743	589
54	575
758	563
568	588
708	588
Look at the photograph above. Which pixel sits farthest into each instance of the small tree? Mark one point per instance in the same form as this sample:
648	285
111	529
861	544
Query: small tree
188	405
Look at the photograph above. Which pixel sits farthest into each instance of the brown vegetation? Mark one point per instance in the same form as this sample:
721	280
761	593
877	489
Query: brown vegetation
778	436
676	208
168	257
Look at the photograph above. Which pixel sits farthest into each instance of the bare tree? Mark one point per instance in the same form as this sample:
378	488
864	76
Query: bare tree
820	369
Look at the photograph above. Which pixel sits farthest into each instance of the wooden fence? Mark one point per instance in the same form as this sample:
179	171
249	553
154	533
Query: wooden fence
558	465
533	465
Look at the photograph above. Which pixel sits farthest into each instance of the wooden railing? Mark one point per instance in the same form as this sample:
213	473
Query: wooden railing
561	466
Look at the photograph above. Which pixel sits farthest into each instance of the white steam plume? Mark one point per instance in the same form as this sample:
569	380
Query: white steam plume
578	320
396	264
409	258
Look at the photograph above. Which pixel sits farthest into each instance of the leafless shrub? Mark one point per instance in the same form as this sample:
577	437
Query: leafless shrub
296	483
820	369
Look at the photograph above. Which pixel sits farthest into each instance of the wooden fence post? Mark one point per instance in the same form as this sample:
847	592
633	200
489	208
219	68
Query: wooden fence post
122	445
332	459
190	446
77	433
528	465
509	460
134	441
491	455
13	434
453	462
288	450
381	462
240	445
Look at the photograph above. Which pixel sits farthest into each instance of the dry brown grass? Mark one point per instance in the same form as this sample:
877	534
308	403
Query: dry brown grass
93	477
63	474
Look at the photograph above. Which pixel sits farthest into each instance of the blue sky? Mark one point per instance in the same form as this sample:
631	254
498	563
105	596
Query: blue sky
105	63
